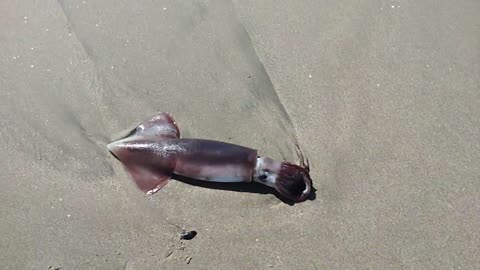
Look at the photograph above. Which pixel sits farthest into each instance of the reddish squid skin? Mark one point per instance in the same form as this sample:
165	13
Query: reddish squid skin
196	158
215	161
153	152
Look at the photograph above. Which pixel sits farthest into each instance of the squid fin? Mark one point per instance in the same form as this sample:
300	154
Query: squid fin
161	125
148	181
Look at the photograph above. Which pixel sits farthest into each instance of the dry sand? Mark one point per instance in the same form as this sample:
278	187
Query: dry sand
383	96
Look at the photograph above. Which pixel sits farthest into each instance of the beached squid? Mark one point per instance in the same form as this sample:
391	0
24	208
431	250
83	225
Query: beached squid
153	152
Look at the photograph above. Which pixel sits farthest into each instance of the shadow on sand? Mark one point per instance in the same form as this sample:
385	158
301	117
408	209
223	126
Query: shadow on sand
240	187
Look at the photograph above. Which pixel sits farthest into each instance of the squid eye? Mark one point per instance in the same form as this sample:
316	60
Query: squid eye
263	177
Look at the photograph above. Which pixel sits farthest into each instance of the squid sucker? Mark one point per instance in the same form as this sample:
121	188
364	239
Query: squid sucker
153	152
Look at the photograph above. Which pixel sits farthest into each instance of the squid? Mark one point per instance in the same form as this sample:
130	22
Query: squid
153	152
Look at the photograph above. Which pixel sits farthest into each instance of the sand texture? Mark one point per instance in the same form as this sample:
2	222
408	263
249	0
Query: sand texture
383	97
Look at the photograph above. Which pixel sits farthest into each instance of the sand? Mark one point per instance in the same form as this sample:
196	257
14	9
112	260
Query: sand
383	98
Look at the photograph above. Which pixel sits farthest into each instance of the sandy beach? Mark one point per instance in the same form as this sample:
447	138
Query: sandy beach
383	97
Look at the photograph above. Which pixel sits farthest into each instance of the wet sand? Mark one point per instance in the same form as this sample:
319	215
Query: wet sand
383	97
